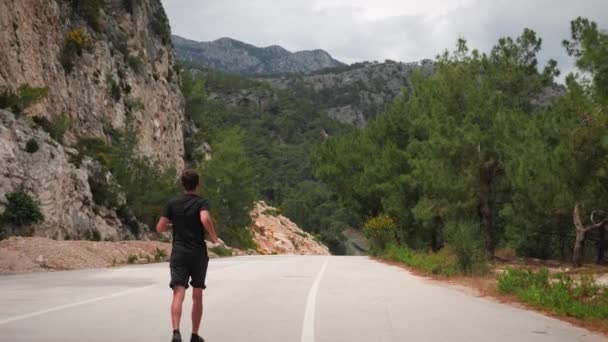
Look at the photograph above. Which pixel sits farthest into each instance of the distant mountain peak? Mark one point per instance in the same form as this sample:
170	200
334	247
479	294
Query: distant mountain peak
236	57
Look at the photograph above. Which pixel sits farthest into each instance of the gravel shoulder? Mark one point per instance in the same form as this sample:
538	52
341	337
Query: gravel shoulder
36	254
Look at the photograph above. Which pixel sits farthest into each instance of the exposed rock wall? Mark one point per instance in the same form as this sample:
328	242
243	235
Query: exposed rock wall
356	93
276	234
61	189
127	71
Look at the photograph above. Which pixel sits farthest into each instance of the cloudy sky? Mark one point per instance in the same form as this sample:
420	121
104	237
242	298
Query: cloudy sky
404	30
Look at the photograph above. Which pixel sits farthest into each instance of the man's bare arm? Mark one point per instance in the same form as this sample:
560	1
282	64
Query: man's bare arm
163	225
208	223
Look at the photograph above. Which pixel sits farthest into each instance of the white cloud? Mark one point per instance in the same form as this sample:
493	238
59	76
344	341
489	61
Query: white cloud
357	30
379	9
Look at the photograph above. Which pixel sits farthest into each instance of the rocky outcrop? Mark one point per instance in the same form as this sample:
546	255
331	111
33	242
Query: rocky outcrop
60	188
235	57
355	242
276	234
356	93
103	67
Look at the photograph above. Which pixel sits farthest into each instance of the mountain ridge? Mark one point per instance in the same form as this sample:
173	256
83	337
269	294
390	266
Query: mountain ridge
236	57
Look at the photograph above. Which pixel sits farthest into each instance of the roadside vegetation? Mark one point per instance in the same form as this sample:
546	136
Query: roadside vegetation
489	153
21	210
560	293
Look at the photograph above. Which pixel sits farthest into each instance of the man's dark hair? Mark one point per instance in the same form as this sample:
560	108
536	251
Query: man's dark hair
189	179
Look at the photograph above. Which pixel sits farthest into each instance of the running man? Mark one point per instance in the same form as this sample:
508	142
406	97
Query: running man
188	214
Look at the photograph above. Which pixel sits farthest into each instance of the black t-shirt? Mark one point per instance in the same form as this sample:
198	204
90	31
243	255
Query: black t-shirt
184	213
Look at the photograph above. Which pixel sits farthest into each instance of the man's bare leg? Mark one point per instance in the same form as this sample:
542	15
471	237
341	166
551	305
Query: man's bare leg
176	307
197	309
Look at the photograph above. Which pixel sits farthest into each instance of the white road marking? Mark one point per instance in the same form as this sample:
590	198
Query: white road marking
68	306
308	326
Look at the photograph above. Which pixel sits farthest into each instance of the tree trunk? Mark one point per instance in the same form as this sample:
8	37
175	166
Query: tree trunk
577	254
486	210
601	246
581	230
562	248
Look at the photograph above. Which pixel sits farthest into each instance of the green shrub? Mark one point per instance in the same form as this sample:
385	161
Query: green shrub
132	258
90	10
22	210
120	42
31	146
56	128
136	64
24	97
381	231
76	42
221	251
129	5
134	105
560	293
272	212
103	194
113	88
3	229
466	242
93	147
147	257
441	263
93	235
160	25
160	255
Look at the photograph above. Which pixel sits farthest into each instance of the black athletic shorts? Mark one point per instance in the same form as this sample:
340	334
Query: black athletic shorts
188	265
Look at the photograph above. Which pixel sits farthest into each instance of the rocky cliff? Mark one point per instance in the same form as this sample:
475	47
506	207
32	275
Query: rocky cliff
94	68
104	63
276	234
60	188
235	57
356	93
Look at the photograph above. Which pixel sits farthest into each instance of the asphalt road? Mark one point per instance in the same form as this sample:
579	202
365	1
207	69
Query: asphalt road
266	299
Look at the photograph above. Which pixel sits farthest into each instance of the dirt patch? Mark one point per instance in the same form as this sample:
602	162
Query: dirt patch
24	255
485	286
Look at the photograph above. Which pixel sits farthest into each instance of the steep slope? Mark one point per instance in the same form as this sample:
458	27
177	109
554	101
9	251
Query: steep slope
96	69
235	57
356	93
61	189
276	234
104	63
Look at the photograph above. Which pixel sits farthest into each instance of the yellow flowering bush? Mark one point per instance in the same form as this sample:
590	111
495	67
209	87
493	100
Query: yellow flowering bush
380	231
78	37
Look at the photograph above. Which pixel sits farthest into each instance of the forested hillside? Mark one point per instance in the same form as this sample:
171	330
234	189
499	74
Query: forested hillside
478	159
252	142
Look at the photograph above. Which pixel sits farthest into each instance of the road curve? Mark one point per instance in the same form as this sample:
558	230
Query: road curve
266	299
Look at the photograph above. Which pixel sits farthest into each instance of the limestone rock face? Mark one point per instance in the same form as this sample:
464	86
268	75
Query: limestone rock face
276	234
60	188
125	73
353	94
